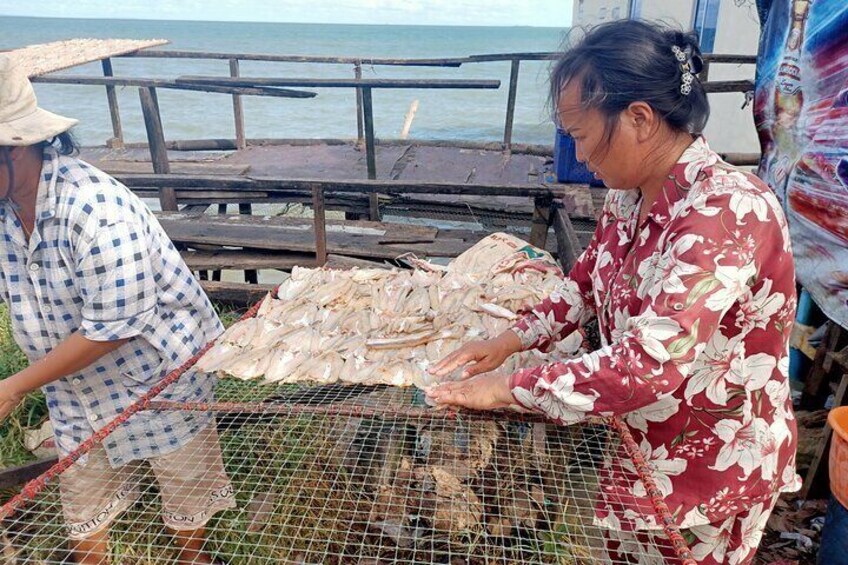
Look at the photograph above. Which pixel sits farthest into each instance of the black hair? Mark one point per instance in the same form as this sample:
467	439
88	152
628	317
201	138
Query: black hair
65	143
626	61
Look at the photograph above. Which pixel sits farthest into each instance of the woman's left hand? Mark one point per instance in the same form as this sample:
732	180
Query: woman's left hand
488	391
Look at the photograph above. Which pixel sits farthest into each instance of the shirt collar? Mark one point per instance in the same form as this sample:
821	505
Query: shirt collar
47	198
688	170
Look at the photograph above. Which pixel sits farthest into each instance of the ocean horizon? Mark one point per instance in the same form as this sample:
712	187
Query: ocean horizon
468	115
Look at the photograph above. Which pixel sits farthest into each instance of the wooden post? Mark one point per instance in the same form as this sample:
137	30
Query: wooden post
541	221
216	274
320	224
368	117
817	478
360	135
370	157
238	109
156	141
816	384
117	140
568	246
250	275
510	102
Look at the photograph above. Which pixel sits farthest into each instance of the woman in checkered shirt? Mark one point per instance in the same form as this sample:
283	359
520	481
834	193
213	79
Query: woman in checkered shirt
103	306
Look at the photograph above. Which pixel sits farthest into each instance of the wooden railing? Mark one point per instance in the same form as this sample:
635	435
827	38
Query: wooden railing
515	59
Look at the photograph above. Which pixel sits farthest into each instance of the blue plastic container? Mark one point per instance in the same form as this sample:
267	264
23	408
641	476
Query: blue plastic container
566	166
808	314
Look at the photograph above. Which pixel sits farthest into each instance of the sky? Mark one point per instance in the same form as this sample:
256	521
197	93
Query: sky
542	13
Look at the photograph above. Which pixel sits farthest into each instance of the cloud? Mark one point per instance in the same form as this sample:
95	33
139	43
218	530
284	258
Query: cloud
555	13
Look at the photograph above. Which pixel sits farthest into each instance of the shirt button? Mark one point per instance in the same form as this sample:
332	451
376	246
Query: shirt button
77	381
93	417
47	308
34	267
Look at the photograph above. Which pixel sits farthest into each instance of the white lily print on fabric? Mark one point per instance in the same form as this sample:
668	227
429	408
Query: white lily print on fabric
712	540
742	444
756	310
663	467
694	305
722	362
753	525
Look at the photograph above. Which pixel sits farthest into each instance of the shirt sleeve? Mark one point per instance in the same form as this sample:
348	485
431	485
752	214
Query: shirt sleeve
116	278
706	264
568	307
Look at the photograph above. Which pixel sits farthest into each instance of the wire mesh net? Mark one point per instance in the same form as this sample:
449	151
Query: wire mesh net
358	469
370	475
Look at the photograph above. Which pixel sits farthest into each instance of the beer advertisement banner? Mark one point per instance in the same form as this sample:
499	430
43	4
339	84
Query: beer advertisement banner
801	112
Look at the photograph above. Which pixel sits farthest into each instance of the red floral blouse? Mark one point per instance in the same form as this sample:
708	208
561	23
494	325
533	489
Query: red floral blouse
695	307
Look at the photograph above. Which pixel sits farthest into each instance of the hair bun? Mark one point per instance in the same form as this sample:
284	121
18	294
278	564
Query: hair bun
697	63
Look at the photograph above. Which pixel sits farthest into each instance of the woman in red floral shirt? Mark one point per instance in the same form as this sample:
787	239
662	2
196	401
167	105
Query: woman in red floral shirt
690	276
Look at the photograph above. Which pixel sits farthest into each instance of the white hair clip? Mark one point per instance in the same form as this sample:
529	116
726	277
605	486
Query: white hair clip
687	76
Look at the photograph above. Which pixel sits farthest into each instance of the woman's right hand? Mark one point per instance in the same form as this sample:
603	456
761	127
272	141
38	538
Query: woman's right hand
479	356
10	397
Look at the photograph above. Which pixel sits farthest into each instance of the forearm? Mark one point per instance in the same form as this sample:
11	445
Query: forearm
71	356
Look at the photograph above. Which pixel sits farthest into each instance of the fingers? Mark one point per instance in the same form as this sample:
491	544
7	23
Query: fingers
483	366
6	408
449	364
450	394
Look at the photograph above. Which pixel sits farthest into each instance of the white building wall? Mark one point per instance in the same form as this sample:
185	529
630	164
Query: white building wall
675	12
588	13
730	128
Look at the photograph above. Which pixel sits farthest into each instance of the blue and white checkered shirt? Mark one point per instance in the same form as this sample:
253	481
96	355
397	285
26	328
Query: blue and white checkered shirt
98	262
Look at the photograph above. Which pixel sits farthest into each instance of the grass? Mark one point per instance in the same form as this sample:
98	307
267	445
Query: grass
30	413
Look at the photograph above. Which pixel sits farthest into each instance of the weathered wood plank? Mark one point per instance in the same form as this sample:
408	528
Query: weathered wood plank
816	382
568	245
240	260
114	111
240	294
42	58
344	262
281	238
339	82
123	166
384	233
16	476
282	186
177	54
319	225
170	84
541	221
510	102
156	141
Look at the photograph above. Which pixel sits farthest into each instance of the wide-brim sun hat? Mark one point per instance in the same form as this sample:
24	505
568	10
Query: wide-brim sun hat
22	122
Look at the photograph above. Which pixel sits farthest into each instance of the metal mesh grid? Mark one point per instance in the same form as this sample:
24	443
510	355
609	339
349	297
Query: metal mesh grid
370	475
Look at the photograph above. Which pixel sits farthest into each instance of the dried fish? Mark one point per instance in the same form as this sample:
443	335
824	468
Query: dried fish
411	340
386	326
497	311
